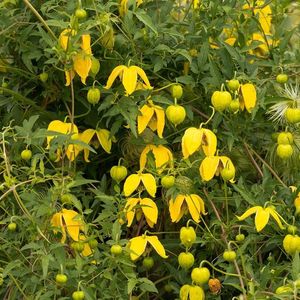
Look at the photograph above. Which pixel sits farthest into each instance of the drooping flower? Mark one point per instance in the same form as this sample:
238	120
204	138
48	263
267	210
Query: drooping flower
191	292
213	165
198	138
129	77
133	181
153	116
123	6
183	203
64	128
264	14
103	136
137	246
162	155
297	203
67	221
87	251
262	215
82	59
248	97
147	206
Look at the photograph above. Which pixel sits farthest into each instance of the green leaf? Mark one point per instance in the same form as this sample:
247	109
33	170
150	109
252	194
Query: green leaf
144	18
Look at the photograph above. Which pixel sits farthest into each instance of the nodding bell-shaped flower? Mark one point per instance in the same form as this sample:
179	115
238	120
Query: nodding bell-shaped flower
153	116
184	203
191	292
214	165
67	221
64	128
103	137
147	206
195	139
137	246
162	155
82	60
262	215
133	181
129	77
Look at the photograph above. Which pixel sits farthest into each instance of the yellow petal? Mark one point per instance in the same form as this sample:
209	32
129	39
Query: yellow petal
175	208
115	72
193	203
208	167
160	119
104	139
72	226
143	75
87	251
230	41
275	216
64	38
143	156
184	292
57	126
69	76
130	209
129	80
249	96
149	183
261	218
144	118
265	18
209	142
56	221
150	210
86	137
156	244
82	64
131	184
248	213
86	44
191	141
137	247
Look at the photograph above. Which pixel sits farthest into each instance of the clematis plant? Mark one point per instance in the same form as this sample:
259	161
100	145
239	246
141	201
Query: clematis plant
152	116
182	204
147	206
162	155
133	181
191	292
129	77
262	215
195	139
137	246
82	60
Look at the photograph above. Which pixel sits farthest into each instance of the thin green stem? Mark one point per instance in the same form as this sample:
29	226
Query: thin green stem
35	12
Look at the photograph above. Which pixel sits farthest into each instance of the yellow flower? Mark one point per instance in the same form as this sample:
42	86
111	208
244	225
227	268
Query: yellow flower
123	9
197	138
297	203
64	128
152	116
162	156
133	181
68	221
82	61
262	216
147	206
264	14
248	97
87	251
137	246
191	202
103	136
213	165
191	292
129	77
